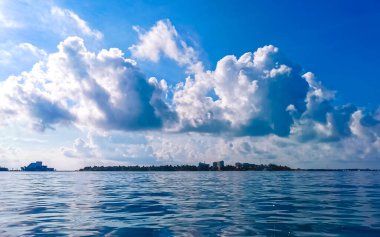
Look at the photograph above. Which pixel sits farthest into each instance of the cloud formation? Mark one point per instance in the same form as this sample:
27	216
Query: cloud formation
162	39
250	95
45	24
256	94
81	149
14	58
259	94
71	23
43	16
75	86
255	107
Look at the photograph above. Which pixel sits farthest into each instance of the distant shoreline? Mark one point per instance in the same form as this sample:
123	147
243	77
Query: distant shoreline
215	166
293	170
205	167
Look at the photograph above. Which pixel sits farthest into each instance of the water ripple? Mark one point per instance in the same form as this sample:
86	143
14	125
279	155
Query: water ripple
190	204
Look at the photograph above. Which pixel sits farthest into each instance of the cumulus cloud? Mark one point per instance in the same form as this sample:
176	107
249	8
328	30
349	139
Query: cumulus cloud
250	95
14	58
259	93
81	149
163	40
75	86
365	127
263	104
256	94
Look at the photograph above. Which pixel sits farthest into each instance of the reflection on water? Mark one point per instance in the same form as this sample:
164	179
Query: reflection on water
190	203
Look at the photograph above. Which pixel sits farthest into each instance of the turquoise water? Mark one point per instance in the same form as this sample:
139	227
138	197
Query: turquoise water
190	204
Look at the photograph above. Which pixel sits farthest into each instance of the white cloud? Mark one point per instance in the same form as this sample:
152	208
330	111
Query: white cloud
15	58
75	86
113	146
163	38
6	22
72	24
369	133
81	149
251	95
260	105
44	24
25	139
45	16
256	94
191	148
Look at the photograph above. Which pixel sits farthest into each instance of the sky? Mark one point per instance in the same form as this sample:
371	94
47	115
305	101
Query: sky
180	82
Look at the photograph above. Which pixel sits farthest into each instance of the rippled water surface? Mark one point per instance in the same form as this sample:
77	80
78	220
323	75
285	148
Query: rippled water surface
190	203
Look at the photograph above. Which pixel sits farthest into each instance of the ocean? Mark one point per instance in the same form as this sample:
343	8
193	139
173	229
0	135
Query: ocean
190	203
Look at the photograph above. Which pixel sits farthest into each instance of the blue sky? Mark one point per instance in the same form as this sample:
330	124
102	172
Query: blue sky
288	82
337	39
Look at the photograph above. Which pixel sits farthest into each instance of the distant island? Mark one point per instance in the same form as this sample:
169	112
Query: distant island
216	166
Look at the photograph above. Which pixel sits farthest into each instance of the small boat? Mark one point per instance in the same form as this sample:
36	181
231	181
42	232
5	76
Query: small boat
36	166
3	169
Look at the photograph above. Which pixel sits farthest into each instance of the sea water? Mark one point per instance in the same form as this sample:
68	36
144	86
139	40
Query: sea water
190	203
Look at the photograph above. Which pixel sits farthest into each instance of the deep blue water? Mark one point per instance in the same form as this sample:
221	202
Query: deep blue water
190	203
